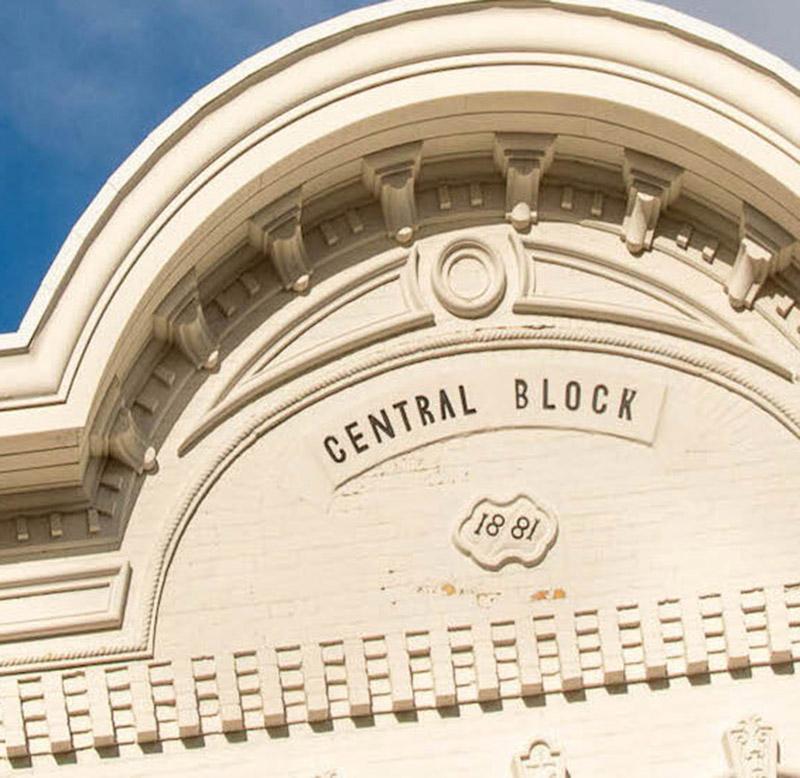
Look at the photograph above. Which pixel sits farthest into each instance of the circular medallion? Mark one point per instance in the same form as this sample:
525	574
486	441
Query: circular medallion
469	279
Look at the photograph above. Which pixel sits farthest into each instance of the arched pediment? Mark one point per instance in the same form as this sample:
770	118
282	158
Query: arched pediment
562	272
337	319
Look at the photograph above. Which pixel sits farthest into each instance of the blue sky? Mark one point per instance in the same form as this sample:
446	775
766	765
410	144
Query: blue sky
82	82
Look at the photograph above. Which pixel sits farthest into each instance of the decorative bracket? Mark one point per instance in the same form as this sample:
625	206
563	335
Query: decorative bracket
276	232
180	320
127	443
751	747
542	759
653	184
764	250
523	158
391	175
119	435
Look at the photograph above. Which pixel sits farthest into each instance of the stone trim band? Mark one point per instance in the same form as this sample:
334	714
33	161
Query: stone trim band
549	647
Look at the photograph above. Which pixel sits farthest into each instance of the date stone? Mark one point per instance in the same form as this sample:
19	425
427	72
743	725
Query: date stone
496	533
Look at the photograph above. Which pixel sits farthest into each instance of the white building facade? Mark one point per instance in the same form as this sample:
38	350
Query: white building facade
421	399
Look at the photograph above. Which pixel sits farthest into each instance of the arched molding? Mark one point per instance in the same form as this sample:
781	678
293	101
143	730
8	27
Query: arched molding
558	242
276	67
289	172
243	288
770	395
136	640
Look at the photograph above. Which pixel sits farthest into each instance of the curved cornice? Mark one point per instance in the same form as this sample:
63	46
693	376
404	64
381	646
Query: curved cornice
99	303
329	33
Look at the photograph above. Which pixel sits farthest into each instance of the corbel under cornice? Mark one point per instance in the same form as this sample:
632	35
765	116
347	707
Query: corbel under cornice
390	176
765	249
276	231
183	318
523	159
181	322
118	434
652	184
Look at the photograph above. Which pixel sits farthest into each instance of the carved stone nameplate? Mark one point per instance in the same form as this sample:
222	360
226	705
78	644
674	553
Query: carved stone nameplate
461	401
496	533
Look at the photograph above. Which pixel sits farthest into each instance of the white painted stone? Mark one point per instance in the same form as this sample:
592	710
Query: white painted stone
308	581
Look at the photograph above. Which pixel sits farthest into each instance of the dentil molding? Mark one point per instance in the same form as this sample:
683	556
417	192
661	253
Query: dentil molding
455	184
